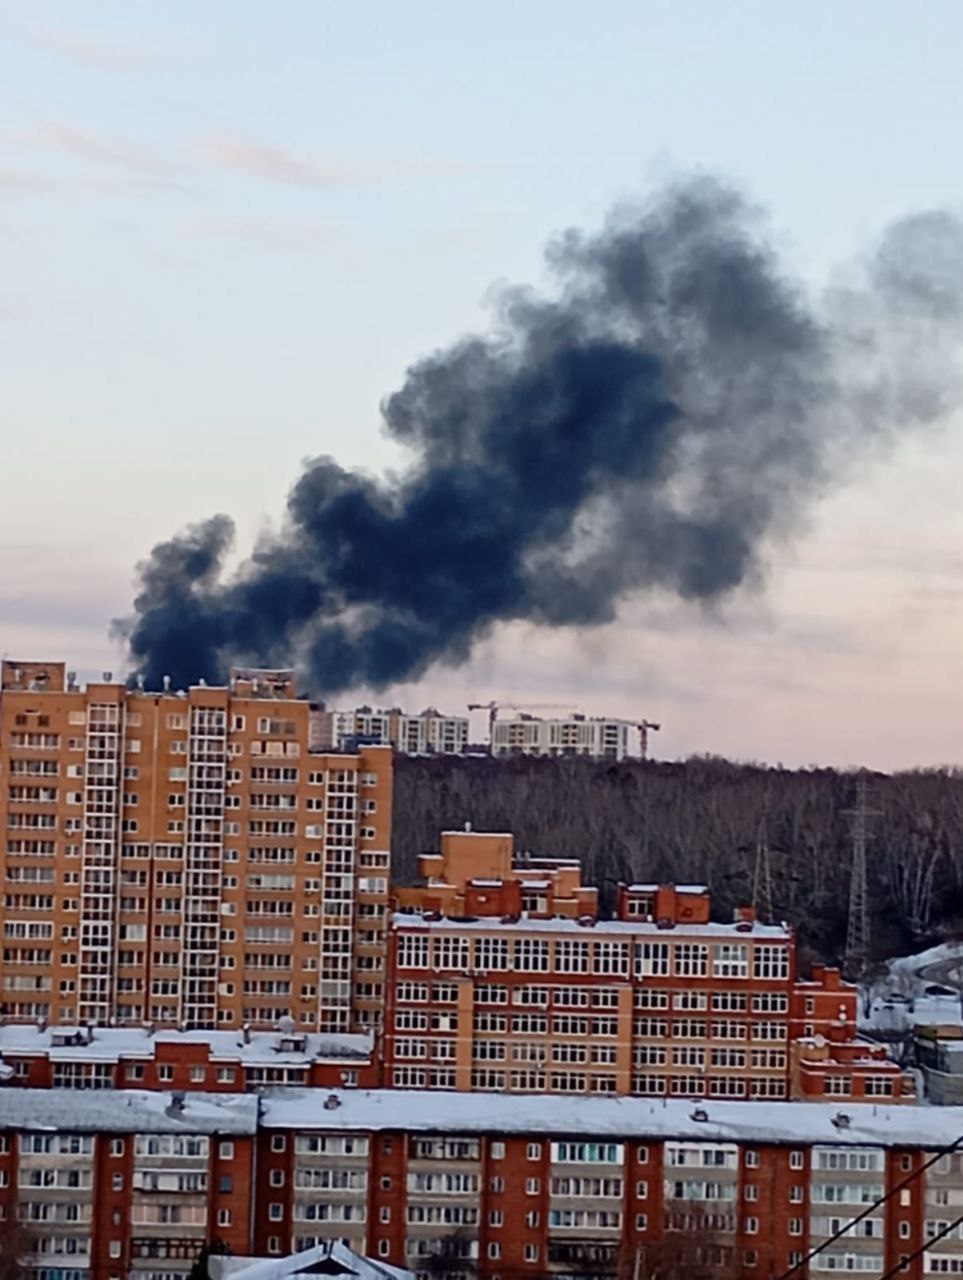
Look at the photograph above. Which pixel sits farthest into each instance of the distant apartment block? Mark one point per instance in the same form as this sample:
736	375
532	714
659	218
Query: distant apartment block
184	858
502	978
429	733
575	735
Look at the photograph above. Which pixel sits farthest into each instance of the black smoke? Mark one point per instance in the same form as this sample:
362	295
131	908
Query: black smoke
673	406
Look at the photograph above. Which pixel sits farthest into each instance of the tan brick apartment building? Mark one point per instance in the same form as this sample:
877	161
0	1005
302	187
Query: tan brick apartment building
184	857
129	1186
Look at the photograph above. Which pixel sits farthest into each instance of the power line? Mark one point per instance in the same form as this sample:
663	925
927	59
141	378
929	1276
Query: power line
911	1257
877	1204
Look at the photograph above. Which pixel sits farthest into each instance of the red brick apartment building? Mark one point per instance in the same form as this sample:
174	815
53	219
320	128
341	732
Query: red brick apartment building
185	858
129	1185
502	978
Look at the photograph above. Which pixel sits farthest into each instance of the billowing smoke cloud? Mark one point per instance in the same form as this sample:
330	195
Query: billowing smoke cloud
673	406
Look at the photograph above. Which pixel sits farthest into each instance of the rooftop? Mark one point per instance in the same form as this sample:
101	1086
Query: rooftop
783	1123
333	1258
127	1111
625	928
111	1044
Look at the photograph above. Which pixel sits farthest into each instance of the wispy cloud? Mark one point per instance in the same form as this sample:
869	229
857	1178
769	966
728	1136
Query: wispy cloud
84	144
266	235
276	164
23	182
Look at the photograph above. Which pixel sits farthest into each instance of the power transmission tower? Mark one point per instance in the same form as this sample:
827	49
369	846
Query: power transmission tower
857	924
762	872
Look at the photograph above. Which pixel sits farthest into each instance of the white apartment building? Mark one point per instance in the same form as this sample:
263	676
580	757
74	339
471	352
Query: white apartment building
428	733
575	735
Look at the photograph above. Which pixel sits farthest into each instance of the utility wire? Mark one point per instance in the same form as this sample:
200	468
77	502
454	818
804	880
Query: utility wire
904	1182
911	1257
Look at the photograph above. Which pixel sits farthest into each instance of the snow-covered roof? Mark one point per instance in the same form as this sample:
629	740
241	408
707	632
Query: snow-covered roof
433	1111
679	888
626	928
111	1044
127	1111
305	1262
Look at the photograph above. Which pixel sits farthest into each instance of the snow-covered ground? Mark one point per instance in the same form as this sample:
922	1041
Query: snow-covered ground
899	1000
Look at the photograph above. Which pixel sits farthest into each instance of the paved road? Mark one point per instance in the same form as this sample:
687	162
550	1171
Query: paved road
944	973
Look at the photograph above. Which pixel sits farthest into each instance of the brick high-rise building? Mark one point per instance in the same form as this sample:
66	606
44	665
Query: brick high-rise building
184	857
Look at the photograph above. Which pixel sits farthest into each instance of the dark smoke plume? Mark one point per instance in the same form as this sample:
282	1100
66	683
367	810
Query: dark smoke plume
672	407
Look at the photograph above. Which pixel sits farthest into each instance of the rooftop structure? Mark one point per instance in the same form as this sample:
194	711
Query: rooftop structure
478	873
332	1258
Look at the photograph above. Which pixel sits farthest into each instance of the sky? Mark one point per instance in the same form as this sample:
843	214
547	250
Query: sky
226	231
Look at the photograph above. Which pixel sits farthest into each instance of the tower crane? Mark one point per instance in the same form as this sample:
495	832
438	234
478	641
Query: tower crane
643	727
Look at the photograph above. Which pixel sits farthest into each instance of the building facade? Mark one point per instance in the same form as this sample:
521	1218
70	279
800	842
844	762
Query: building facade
576	735
130	1186
96	1058
186	858
428	733
502	978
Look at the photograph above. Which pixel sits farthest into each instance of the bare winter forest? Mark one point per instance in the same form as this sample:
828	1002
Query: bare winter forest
703	820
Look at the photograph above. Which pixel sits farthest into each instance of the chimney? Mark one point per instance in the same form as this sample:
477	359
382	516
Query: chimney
167	684
246	1033
332	1102
176	1105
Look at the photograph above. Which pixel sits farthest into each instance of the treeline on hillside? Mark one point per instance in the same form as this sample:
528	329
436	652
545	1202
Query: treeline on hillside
701	821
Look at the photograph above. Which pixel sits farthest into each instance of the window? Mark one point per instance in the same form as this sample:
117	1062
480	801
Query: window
531	1253
278	1142
752	1159
276	1177
730	960
494	1249
652	959
534	1151
770	962
497	1150
117	1146
533	1186
275	1211
223	1217
796	1160
225	1151
691	959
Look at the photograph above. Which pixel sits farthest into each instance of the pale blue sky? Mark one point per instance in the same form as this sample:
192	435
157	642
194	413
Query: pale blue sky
227	227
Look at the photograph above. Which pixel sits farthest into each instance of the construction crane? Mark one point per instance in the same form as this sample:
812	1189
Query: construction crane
643	729
493	708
